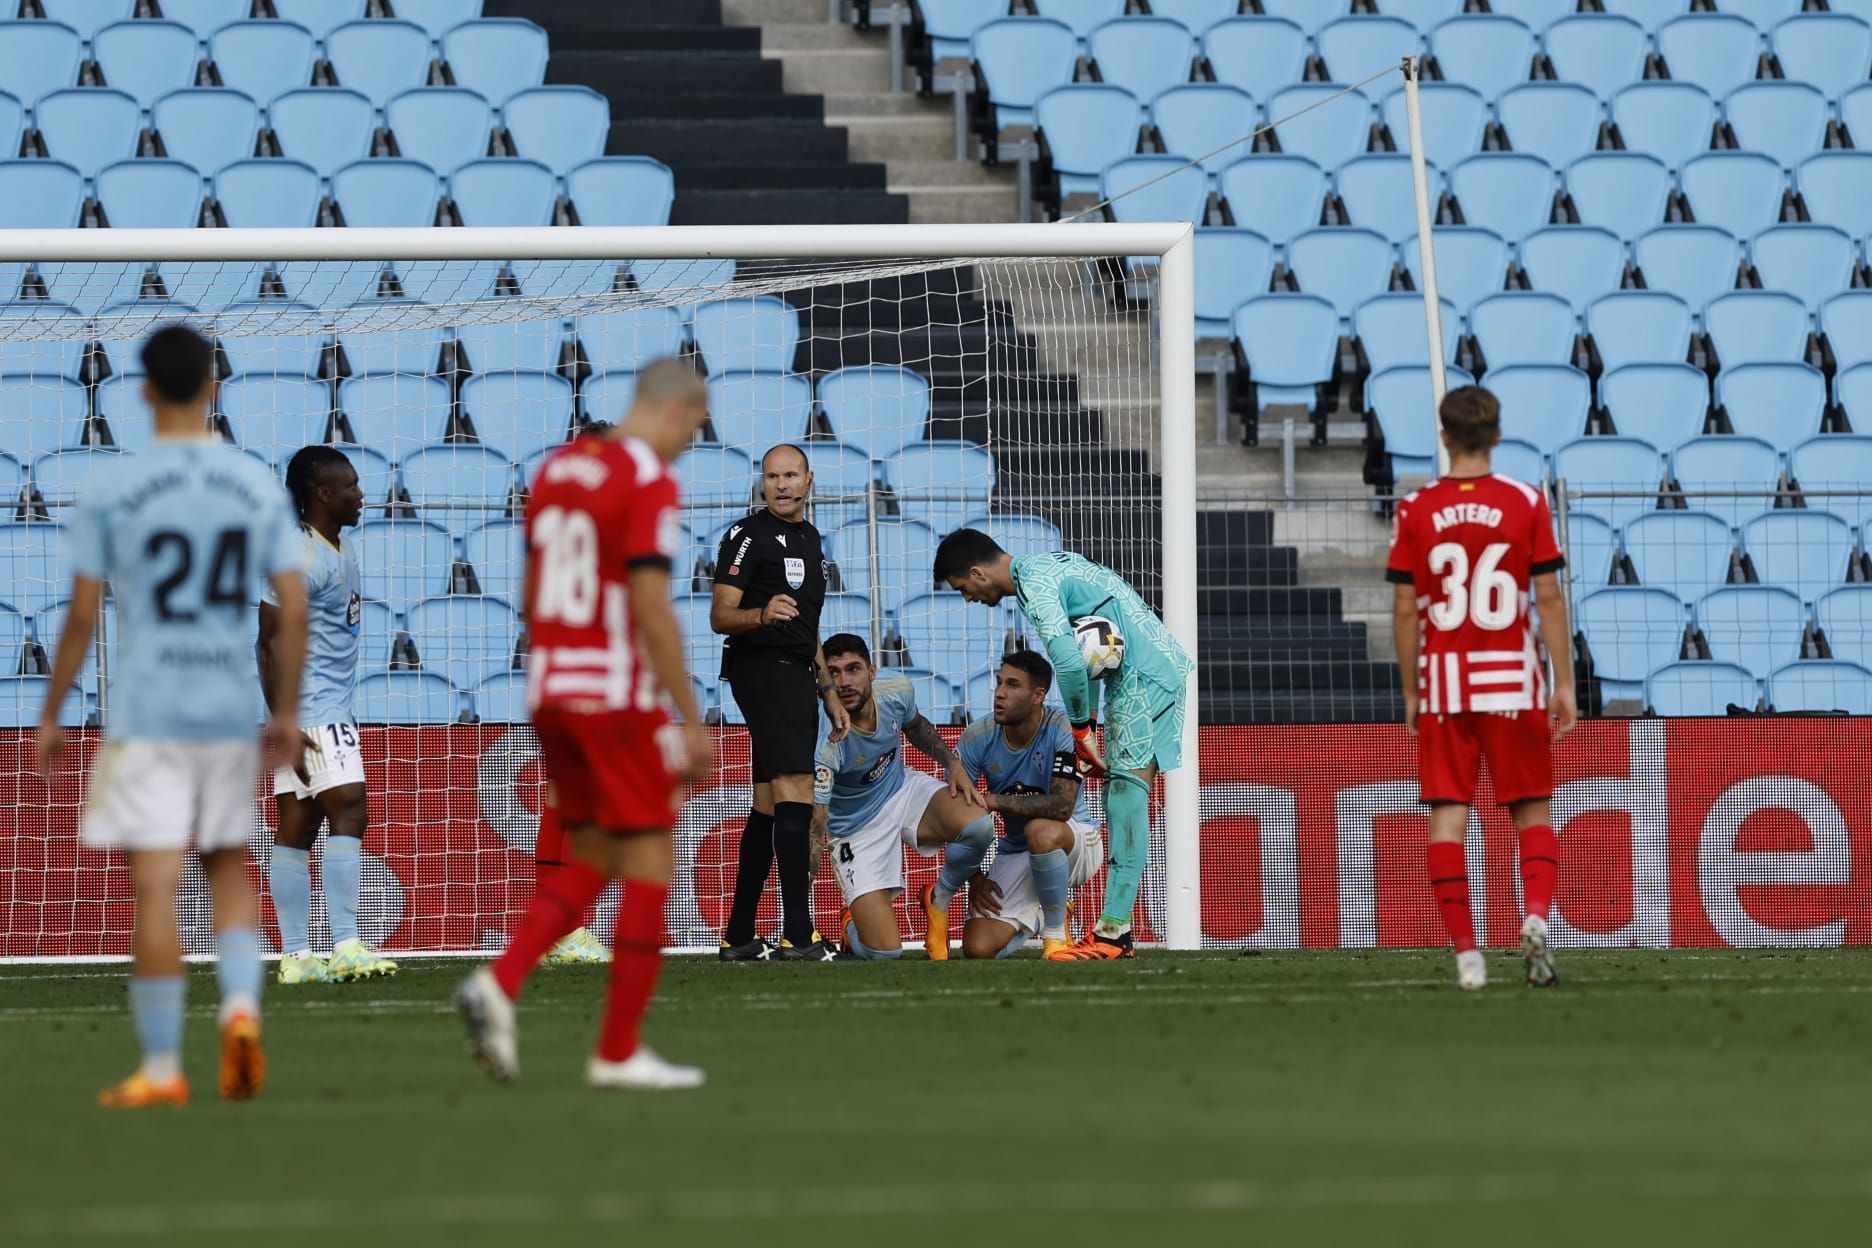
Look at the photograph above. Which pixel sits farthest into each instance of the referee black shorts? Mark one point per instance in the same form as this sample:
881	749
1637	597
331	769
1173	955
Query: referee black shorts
779	697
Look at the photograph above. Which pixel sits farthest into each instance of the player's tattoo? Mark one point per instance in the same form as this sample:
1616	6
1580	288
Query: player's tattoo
922	734
1057	804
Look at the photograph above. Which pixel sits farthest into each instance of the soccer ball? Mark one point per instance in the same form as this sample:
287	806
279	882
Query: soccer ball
1100	644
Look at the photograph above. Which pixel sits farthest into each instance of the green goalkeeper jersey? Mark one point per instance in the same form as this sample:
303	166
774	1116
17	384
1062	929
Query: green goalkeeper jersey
1057	588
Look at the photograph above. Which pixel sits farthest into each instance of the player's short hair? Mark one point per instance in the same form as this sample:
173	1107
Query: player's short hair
796	448
1472	418
846	643
598	428
178	362
1034	664
304	469
962	550
670	380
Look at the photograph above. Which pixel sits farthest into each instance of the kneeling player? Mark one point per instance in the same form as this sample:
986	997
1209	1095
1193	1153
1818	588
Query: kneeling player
872	805
1024	752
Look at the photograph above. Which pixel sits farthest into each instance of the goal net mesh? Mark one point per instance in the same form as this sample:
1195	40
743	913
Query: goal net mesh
1017	395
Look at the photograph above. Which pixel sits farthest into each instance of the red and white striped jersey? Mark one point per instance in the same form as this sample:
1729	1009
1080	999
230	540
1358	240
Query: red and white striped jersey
1471	546
598	508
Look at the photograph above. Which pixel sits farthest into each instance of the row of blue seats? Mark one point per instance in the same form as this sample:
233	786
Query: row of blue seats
1690	553
498	57
1708	687
205	17
327	128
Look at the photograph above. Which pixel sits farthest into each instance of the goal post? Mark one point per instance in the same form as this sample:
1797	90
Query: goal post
1035	283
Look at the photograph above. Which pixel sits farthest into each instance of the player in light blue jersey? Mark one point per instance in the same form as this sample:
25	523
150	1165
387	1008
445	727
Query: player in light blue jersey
329	788
181	532
871	805
1024	754
1143	698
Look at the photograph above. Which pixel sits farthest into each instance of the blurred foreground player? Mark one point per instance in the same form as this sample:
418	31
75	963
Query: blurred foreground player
1465	550
181	532
603	527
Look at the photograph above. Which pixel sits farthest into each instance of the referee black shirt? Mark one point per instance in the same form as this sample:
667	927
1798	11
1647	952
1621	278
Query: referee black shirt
765	557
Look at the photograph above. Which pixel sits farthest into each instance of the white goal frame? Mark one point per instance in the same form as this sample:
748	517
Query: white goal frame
1172	244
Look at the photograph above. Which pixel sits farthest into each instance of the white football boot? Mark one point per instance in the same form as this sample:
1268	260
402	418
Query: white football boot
489	1014
1534	948
643	1070
1471	971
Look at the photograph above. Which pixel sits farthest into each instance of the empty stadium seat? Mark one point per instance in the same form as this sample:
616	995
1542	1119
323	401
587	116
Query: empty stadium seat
37	58
321	17
1556	121
403	561
415	352
1855	114
1846	319
147	59
1523	327
1019	60
409	698
39	340
1627	467
509	346
1697	263
1346	266
1740	192
1231	265
1577	262
759	334
1520	460
1336	128
1390	330
1261	55
847	613
1625	192
1084	16
950	23
502	699
877	408
396	413
1453	116
1833	471
906	553
1590	545
496	552
1487	52
204	17
1509	193
381	59
1278	197
1700	688
1600	51
87	17
263	59
12	126
1291	345
1672	121
1544	405
62	477
1471	263
12	640
1782	404
275	414
444	127
1312	15
842	476
33	561
607	396
121	406
1784	120
1204	119
1144	55
504	191
627	340
944	633
1650	14
1844	615
562	127
1727	475
1717	52
1630	630
1852	389
1196	15
1378	194
207	127
1155	188
387	193
1640	327
1836	187
1686	552
268	194
1400	401
717	478
622	190
1020	534
1765	13
23	697
42	415
1803	551
463	638
150	194
1831	52
1355	48
41	194
87	127
754	411
942	482
701	646
324	127
375	476
1821	685
518	413
1087	126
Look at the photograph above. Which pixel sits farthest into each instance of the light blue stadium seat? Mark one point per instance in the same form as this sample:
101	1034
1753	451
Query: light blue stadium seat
1202	119
1378	193
1650	14
387	193
1346	266
510	346
46	414
1710	469
41	194
628	340
1640	327
22	697
1144	55
1855	113
1020	59
1631	631
623	190
12	640
1852	389
877	408
268	194
1454	117
438	17
1740	192
950	23
1718	52
943	633
413	352
1836	187
375	476
87	127
33	561
1155	188
1332	133
504	191
150	194
1600	51
1521	460
87	17
906	554
56	352
701	646
1197	16
1084	16
1524	327
1821	685
204	17
935	694
1556	121
1784	120
62	477
395	413
264	59
1845	616
12	125
975	696
1577	262
147	59
90	288
1487	52
1699	688
841	476
1261	55
1232	264
562	127
381	59
607	396
1846	319
758	334
1020	534
1697	263
406	698
276	415
716	478
1313	15
941	483
1803	551
1765	13
321	17
120	405
502	699
1425	15
1471	263
755	411
1831	52
37	58
1781	404
1087	126
463	638
1686	552
1390	329
561	279
324	127
1537	14
1629	467
1672	121
1278	197
1355	48
1510	193
1835	462
403	561
444	127
1400	400
497	553
518	413
207	127
1590	545
1291	342
1542	404
846	613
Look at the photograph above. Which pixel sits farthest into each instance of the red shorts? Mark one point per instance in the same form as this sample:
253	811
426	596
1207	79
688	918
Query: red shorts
610	768
1450	750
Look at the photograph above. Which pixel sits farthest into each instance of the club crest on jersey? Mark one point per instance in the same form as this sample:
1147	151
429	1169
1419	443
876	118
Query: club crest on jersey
795	572
354	613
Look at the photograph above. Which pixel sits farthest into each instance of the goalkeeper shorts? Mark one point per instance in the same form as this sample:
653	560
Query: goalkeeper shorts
1143	726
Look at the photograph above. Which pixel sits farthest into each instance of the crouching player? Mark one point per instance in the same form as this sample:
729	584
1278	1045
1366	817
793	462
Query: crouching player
872	805
1024	751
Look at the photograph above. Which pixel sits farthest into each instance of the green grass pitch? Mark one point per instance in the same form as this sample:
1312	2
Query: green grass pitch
1336	1098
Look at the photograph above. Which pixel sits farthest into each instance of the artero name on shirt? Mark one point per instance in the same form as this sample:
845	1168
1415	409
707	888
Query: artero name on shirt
1465	513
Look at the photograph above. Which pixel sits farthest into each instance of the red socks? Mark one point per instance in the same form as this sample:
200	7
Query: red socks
1449	882
559	902
636	959
1540	864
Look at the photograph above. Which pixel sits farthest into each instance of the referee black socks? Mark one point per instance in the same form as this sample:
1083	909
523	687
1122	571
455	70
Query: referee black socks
754	861
792	837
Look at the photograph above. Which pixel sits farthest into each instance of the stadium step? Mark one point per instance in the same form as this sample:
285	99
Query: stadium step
652	36
787	175
669	72
1257	673
684	143
770	206
1374	707
1316	602
597	14
1237	528
630	104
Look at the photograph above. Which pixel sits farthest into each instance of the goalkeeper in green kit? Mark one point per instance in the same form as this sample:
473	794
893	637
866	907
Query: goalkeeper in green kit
1143	703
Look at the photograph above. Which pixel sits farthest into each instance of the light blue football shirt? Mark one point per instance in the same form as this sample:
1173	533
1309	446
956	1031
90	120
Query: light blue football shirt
184	531
985	753
334	611
854	778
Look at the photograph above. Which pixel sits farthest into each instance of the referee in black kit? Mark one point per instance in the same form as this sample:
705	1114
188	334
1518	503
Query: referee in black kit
770	583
